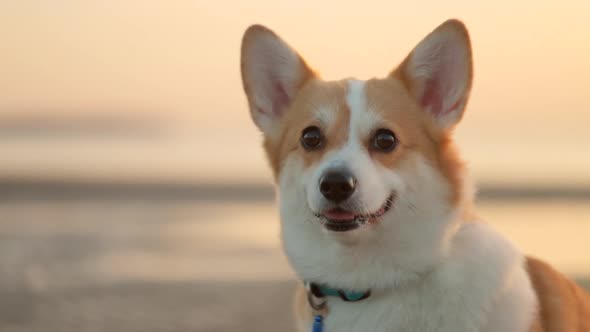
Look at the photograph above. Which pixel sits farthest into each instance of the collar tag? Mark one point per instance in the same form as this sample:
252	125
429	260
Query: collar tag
318	324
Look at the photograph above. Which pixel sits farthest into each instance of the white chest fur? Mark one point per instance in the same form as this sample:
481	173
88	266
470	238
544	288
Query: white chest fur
482	286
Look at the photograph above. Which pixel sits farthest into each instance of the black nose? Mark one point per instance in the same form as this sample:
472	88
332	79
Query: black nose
337	186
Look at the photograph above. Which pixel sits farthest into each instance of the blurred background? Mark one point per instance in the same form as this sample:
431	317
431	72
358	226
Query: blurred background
134	194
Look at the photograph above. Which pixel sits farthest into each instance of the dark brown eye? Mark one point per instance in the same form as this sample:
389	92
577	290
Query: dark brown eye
384	140
312	138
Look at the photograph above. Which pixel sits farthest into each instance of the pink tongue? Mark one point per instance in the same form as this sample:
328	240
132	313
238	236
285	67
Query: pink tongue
339	215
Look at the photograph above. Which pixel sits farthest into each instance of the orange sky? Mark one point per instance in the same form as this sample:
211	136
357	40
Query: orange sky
183	55
180	59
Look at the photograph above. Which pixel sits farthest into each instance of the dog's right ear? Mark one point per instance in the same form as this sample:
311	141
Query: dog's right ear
439	71
272	74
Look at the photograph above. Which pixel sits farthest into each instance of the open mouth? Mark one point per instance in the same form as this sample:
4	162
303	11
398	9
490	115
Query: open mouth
341	220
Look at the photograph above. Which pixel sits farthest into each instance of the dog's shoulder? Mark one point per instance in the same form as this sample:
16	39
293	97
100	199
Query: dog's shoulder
485	277
477	249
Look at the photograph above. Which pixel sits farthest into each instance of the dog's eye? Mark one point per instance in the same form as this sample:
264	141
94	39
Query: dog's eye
312	138
384	140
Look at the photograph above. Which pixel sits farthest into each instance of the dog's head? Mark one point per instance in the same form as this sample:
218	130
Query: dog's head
368	178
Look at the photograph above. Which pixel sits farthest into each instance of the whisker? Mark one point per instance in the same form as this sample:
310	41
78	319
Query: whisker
358	207
411	207
365	214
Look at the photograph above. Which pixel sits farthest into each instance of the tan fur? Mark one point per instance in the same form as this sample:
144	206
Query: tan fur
563	305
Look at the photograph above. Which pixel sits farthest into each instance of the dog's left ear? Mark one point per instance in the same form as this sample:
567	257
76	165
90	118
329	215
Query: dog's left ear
272	74
438	73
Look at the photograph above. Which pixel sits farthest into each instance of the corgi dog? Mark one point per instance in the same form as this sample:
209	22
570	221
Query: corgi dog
376	207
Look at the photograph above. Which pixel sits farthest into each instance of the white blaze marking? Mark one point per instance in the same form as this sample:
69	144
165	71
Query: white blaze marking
362	120
355	98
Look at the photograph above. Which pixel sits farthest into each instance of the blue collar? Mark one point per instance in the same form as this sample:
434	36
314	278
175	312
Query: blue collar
322	290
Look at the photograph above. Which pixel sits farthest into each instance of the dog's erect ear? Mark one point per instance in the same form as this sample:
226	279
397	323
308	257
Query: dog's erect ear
272	74
438	72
